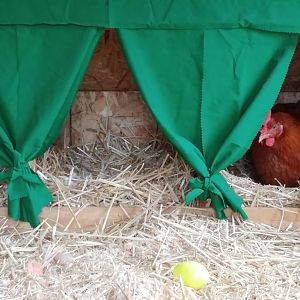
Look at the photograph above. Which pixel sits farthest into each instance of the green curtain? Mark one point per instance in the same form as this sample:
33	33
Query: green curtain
267	15
208	70
40	75
209	91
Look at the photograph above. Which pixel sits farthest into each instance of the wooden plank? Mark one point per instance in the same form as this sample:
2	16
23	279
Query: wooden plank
90	218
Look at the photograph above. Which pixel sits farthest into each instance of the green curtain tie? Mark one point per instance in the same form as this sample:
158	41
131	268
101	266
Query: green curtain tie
204	189
18	177
217	189
27	194
206	184
230	197
199	190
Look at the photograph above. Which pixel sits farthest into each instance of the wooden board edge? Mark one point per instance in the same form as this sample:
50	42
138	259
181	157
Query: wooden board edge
92	218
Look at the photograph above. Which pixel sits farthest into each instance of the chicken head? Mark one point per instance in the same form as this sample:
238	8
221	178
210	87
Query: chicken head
270	130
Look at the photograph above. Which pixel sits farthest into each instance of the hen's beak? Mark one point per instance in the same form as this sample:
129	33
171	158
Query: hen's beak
263	136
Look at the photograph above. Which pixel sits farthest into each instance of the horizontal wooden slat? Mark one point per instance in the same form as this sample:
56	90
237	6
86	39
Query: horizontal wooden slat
90	218
109	71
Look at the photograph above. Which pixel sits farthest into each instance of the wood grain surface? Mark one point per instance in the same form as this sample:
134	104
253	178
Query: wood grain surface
103	218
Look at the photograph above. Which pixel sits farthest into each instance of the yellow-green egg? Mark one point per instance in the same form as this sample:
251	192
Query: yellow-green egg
192	273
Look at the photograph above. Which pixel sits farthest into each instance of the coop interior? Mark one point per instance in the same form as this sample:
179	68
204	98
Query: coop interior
118	223
109	113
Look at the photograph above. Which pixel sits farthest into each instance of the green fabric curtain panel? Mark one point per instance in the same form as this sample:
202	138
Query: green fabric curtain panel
41	69
209	72
209	91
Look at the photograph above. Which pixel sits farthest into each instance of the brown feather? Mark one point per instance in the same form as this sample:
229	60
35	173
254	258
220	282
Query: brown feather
282	160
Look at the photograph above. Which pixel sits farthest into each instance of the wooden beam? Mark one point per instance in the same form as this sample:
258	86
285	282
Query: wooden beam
90	218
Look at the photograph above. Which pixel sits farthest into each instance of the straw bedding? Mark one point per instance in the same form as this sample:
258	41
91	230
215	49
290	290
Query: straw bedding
134	259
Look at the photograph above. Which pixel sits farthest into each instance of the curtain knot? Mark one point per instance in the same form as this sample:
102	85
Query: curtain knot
213	187
26	191
206	183
18	158
20	166
200	189
18	176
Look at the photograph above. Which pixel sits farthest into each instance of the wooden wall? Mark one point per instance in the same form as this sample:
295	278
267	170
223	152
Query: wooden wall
109	101
108	70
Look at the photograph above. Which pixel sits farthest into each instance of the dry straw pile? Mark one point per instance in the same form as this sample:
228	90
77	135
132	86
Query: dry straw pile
134	259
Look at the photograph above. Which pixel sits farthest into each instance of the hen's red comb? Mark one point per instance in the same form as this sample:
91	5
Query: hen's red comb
268	118
266	121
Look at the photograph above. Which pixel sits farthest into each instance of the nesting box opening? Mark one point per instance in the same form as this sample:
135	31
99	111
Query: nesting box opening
109	105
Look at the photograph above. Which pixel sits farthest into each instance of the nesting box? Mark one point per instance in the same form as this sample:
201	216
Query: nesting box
109	100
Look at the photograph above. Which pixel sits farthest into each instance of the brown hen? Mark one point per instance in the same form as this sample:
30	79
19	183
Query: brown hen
276	150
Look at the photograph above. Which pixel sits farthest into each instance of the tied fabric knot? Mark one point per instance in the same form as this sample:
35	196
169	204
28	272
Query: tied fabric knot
27	194
217	189
202	189
199	189
17	178
206	184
